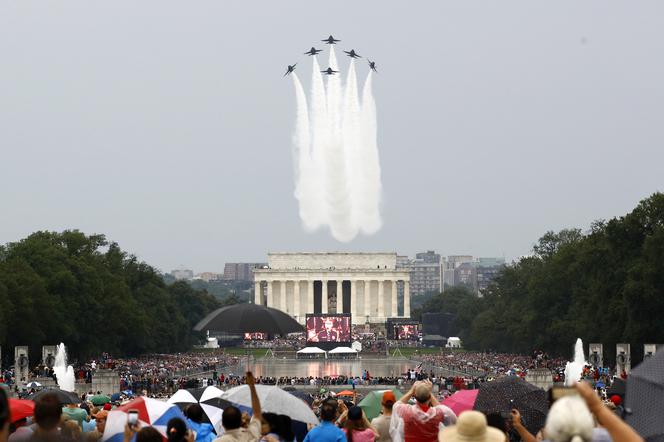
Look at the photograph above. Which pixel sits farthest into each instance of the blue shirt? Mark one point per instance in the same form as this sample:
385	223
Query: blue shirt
325	432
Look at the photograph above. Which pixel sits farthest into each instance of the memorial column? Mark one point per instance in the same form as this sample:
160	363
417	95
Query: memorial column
323	297
381	299
270	294
296	298
353	301
367	297
406	299
310	297
395	299
282	300
257	293
340	296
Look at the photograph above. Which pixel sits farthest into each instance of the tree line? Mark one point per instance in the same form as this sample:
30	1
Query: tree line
605	285
86	292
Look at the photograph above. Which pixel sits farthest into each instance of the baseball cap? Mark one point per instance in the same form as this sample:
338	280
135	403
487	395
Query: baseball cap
388	397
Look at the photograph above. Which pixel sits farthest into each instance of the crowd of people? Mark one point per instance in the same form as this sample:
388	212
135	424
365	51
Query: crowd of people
417	416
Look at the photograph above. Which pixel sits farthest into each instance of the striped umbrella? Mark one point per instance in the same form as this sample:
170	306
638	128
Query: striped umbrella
151	412
209	400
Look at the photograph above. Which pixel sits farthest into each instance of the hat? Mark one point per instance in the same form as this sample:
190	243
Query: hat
103	414
617	400
354	413
388	397
471	427
108	406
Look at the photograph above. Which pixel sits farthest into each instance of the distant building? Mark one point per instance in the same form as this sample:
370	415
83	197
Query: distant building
182	274
425	272
209	276
240	271
474	273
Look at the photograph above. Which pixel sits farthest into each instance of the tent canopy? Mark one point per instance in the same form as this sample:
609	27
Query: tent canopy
311	350
342	350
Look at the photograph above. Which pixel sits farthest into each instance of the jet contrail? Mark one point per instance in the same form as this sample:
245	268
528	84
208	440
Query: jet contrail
337	179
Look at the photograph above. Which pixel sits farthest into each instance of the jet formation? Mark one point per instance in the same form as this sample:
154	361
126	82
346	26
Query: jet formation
329	71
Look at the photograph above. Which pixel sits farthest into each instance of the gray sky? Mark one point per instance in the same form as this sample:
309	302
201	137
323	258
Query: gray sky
167	125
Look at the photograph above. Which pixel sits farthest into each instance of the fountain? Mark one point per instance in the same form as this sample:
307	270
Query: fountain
64	373
574	369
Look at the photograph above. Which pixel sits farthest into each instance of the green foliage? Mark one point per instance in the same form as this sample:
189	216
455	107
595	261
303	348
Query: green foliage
81	290
603	286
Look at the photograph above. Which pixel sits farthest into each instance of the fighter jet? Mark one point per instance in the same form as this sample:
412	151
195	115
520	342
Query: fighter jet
372	65
313	51
352	54
290	69
329	71
330	40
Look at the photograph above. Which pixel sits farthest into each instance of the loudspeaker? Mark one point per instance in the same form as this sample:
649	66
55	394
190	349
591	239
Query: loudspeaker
623	358
21	362
596	355
48	355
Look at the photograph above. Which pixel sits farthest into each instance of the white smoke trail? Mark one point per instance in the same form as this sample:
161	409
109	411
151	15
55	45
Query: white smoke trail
337	181
304	177
371	221
337	192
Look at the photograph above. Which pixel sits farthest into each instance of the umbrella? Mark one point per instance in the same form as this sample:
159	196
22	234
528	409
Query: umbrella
207	397
100	399
306	397
33	384
275	400
151	412
249	318
346	393
618	387
645	398
503	394
371	404
20	409
462	400
65	397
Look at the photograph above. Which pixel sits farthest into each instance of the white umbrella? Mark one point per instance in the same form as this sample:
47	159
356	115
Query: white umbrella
33	384
274	400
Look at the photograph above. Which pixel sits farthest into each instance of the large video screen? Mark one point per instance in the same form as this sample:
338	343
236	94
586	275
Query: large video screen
328	328
406	332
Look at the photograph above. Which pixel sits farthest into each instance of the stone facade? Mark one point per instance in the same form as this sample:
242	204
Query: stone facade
365	285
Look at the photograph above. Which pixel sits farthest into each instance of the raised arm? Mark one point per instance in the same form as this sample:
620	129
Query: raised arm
255	402
618	429
518	426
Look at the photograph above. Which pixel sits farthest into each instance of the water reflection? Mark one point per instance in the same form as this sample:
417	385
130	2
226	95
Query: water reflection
321	368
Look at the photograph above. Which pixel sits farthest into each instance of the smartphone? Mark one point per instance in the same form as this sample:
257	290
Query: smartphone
556	393
132	417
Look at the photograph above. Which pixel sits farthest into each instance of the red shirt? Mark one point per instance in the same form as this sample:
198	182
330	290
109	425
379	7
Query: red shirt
420	425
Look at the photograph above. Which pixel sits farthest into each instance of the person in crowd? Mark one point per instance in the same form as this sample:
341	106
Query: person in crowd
149	434
177	431
357	427
285	428
195	417
470	427
47	418
231	419
90	424
73	412
100	421
70	431
326	431
382	422
421	420
4	416
269	427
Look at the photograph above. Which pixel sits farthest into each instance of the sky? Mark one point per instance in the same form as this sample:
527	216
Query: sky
167	125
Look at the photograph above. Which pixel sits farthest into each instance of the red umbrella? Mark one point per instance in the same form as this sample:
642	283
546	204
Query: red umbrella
20	409
462	400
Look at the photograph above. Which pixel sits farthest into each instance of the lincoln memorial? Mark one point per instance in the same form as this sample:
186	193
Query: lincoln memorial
366	285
